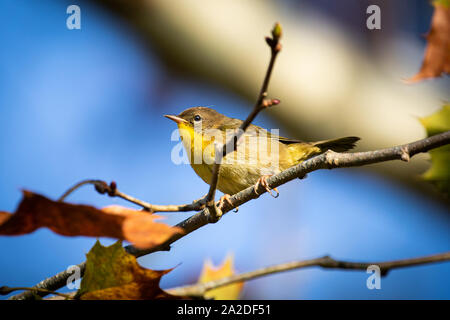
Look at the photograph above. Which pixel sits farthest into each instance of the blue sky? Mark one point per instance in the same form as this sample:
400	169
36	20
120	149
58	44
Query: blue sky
82	104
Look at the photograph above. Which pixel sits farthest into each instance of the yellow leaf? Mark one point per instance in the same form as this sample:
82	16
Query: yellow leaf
226	269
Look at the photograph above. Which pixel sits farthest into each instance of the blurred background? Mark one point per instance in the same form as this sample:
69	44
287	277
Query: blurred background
89	103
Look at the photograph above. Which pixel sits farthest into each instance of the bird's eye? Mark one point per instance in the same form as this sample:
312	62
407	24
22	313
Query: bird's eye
197	118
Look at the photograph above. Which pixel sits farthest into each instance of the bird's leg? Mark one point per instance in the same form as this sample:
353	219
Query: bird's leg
263	182
226	198
201	202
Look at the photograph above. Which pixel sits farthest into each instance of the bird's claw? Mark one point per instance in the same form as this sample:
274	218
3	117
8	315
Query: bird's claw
226	198
263	182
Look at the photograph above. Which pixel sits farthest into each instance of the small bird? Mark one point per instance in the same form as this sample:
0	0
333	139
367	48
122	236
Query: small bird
259	153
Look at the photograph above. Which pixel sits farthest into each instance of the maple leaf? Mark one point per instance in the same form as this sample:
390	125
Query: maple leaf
226	269
36	211
113	274
437	53
439	172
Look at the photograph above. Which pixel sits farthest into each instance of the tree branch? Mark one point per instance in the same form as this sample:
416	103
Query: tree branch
327	160
199	289
6	290
231	144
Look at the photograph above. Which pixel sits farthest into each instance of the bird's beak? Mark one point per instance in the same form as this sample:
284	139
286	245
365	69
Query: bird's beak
175	118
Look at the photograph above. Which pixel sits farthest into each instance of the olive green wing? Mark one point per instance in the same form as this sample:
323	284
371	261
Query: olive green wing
254	130
338	145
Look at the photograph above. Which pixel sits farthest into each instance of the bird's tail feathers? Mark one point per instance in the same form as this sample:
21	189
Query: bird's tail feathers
338	145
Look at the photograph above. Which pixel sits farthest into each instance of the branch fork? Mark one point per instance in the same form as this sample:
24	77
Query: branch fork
405	154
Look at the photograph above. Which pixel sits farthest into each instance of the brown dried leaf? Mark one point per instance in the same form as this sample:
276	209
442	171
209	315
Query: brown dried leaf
36	211
437	53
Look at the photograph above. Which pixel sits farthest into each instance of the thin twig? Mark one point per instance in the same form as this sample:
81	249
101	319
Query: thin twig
77	186
328	160
231	144
102	187
326	262
199	289
214	212
111	189
7	290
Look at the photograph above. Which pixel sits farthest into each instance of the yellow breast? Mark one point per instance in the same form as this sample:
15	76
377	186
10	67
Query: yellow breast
240	169
200	151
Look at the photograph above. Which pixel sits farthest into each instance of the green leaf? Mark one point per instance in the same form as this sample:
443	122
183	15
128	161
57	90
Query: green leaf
444	3
112	273
439	172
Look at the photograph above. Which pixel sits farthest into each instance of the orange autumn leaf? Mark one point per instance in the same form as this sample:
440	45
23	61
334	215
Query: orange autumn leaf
226	269
113	274
36	211
139	225
4	216
437	53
